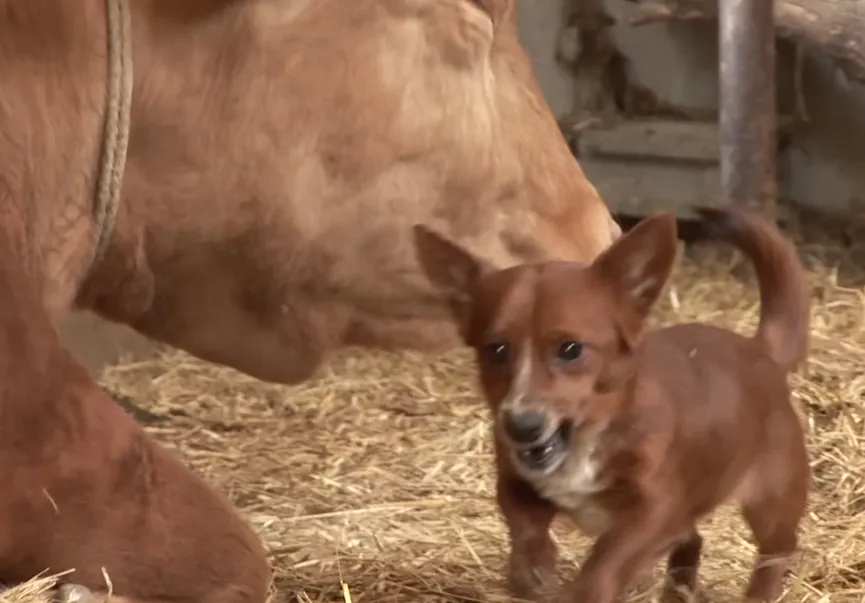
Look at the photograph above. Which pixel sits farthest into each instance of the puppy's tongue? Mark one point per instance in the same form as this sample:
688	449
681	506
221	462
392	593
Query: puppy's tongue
537	455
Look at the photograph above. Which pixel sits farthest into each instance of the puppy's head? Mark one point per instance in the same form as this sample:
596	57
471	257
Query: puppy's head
554	341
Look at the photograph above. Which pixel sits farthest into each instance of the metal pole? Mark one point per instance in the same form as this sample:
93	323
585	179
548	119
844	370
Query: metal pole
747	97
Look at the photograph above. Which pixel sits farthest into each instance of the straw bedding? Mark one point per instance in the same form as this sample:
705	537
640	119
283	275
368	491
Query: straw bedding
378	474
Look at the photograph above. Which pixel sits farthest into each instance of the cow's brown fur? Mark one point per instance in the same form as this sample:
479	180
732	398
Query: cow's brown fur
86	488
279	152
636	435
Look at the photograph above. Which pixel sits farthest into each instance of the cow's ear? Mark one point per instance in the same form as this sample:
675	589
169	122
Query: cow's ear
451	268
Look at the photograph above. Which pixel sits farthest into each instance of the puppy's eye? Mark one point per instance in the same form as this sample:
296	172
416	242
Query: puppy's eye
569	351
496	352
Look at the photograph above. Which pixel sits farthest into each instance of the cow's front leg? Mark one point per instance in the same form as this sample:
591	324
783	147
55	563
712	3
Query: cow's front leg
76	593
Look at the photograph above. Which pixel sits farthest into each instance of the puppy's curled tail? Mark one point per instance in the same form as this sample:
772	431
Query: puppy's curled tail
785	310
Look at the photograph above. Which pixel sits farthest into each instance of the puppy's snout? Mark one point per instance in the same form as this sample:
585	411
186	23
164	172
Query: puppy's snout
526	426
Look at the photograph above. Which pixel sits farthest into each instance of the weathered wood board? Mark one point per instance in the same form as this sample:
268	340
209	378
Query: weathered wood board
640	167
836	27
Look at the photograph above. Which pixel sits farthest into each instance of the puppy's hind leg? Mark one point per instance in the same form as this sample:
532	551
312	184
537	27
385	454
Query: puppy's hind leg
773	509
776	544
683	565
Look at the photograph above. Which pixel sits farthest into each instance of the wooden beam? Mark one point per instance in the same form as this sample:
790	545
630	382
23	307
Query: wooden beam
831	26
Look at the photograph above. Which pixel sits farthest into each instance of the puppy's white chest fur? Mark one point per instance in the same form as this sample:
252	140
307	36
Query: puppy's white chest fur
572	487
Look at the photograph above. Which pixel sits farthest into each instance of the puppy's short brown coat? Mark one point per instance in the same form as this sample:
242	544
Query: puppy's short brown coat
636	435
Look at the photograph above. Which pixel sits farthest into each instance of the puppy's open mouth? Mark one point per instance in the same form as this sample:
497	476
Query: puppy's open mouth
546	453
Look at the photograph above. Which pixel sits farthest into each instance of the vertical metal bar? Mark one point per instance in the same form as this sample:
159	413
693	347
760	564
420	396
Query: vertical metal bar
747	97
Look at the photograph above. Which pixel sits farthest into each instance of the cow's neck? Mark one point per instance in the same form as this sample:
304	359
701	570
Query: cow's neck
170	144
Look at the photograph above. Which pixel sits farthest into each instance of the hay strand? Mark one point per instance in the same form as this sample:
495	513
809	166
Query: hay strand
378	474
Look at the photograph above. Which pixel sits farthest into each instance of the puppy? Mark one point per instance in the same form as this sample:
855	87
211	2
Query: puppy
636	435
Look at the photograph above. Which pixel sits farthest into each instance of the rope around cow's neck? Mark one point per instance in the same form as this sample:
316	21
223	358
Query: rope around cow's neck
116	129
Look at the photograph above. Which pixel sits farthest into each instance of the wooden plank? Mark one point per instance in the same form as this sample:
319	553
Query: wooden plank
832	26
643	166
654	139
641	188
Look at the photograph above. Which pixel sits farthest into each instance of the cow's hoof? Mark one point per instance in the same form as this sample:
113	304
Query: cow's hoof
74	593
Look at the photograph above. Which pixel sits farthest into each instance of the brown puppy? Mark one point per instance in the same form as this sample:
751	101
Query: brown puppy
635	435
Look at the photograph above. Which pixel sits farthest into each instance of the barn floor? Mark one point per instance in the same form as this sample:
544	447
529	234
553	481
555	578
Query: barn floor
378	474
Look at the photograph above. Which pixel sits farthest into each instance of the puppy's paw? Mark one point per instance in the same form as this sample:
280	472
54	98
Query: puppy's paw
532	574
75	593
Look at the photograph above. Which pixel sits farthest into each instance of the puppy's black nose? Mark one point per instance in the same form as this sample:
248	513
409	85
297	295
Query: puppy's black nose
525	426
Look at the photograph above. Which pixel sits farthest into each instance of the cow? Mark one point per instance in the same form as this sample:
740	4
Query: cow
255	168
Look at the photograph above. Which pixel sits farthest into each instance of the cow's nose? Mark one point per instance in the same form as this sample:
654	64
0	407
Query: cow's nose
525	427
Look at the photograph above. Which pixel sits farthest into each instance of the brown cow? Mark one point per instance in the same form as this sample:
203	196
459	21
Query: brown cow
279	151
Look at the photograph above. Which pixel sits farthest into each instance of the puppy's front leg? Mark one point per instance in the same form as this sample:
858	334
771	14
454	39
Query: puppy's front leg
532	562
618	555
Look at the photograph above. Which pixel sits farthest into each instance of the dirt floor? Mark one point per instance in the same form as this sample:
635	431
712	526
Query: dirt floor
378	474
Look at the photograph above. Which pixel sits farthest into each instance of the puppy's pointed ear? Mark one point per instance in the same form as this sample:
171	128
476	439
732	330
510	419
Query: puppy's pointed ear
638	264
450	267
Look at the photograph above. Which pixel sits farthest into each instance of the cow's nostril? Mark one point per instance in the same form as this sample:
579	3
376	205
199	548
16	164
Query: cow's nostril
525	427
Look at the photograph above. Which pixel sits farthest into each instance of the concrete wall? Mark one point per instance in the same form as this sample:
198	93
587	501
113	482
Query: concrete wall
822	167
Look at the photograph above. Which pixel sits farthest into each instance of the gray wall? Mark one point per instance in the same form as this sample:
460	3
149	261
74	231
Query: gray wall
824	165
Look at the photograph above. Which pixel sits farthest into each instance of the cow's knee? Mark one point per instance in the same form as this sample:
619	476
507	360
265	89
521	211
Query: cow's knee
76	593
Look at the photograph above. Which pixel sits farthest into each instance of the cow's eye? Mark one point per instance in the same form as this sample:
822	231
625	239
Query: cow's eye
482	5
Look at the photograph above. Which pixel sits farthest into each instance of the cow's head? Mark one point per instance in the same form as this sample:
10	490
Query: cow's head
469	103
282	150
